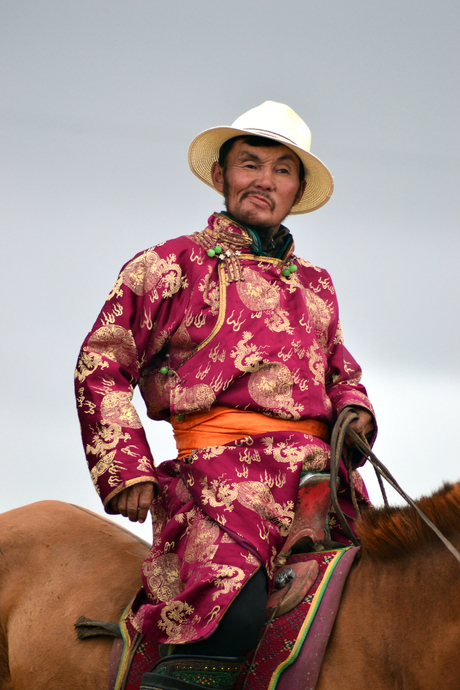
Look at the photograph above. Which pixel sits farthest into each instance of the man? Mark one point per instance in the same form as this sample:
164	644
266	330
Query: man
236	341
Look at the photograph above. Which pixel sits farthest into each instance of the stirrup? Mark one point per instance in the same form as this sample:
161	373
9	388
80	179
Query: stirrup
187	672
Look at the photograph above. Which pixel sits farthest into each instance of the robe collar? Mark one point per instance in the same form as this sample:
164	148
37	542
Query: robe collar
281	241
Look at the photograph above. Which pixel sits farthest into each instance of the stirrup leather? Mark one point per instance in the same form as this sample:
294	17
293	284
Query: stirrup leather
306	534
308	527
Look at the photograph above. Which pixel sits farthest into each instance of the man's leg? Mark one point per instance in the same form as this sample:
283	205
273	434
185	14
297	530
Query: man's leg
215	662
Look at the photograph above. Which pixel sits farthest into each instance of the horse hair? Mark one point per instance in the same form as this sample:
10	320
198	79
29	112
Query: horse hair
390	533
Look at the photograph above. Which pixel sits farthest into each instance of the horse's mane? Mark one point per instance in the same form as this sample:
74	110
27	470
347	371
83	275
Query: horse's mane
389	533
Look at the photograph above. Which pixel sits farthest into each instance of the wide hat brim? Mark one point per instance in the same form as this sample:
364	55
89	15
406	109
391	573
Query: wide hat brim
204	151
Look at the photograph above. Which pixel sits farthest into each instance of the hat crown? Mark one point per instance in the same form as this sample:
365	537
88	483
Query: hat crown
276	119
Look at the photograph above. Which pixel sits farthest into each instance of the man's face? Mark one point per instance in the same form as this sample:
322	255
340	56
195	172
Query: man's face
260	184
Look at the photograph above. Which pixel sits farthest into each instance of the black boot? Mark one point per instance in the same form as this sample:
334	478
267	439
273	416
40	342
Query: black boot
187	672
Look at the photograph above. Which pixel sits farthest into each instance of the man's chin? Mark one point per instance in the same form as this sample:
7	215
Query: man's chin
254	218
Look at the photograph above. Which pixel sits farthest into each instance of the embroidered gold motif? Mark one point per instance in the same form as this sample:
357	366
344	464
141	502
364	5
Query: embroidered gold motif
199	397
228	579
110	317
244	474
358	482
211	292
301	382
256	293
145	465
249	456
102	466
116	408
148	272
175	624
259	295
284	452
326	285
338	338
115	343
320	315
219	493
278	322
202	373
271	565
258	497
271	387
81	402
214	613
248	357
105	437
202	538
236	322
117	290
213	452
163	576
316	459
271	480
216	354
88	362
316	365
199	257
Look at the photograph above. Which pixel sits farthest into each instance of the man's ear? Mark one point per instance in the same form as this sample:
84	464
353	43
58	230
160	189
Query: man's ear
217	175
299	195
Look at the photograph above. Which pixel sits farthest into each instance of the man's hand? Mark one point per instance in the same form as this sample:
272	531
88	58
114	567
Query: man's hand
363	425
134	502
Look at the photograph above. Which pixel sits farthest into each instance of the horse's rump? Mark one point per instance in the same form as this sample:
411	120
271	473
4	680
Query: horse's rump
58	562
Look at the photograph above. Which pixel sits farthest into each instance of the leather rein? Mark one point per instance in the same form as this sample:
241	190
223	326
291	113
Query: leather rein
341	429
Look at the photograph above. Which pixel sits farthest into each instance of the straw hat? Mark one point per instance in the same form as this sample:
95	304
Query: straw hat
275	121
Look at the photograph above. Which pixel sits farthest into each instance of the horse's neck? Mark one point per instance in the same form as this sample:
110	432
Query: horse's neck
392	616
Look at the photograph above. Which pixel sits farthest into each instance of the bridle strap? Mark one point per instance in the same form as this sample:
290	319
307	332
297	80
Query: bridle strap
341	429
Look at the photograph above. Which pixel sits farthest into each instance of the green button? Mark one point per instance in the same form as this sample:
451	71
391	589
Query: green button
164	370
211	253
218	249
286	272
292	268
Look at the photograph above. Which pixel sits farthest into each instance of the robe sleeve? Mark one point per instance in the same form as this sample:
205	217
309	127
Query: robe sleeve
144	306
343	377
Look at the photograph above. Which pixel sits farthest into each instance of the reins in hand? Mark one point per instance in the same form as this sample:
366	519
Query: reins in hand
341	429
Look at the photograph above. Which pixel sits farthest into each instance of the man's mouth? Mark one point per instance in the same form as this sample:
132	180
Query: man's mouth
260	200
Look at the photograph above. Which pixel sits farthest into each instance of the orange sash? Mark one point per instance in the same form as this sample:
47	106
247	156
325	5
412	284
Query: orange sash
221	425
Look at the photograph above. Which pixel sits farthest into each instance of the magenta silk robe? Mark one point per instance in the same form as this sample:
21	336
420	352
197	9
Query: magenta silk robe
231	330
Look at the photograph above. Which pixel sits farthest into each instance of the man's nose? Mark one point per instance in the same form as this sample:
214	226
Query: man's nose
265	179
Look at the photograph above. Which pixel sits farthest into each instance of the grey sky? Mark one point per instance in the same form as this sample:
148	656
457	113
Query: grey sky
99	102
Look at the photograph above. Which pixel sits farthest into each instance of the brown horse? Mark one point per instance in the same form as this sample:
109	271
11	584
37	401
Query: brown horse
398	625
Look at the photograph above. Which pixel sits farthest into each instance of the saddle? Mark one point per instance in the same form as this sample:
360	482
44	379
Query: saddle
293	580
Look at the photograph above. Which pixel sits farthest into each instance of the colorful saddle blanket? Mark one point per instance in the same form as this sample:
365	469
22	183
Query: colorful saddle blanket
293	645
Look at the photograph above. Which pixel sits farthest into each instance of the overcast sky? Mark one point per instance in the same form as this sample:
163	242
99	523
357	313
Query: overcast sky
99	101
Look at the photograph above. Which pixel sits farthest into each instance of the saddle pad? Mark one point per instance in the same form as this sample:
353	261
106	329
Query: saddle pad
286	654
294	644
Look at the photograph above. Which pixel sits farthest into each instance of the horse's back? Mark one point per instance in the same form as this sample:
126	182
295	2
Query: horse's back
58	562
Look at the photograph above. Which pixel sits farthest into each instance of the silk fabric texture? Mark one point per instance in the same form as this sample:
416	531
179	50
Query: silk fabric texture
181	325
